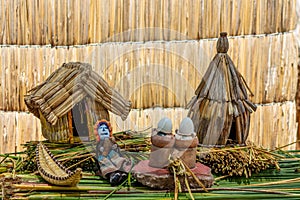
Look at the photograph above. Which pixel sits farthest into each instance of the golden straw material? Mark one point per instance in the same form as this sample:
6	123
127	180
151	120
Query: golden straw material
149	75
221	108
53	171
67	23
67	86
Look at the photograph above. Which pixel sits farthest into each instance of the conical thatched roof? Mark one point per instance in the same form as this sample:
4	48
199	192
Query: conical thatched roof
67	86
221	101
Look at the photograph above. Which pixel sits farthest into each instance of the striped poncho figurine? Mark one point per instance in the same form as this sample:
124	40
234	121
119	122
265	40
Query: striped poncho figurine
112	164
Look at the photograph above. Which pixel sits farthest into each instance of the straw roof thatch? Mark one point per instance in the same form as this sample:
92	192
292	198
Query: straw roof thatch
221	102
67	86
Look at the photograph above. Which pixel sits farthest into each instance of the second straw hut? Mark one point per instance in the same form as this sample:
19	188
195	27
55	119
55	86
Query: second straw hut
221	109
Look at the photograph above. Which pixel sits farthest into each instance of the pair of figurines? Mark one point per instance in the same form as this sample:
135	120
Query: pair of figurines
112	164
166	145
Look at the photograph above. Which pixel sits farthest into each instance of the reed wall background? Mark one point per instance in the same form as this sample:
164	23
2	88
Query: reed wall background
148	73
76	22
297	34
154	53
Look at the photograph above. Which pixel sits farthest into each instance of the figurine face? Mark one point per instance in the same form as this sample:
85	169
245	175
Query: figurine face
103	131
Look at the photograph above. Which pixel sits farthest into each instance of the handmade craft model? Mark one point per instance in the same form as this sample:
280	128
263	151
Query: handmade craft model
53	171
221	108
162	142
186	143
112	164
71	100
170	152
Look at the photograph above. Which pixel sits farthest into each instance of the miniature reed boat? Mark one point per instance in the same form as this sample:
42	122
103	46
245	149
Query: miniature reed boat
53	171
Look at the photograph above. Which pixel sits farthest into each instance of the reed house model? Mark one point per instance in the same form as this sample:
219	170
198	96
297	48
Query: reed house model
221	108
71	100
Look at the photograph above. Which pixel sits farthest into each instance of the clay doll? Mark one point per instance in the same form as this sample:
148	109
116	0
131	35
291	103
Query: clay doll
186	143
162	141
112	164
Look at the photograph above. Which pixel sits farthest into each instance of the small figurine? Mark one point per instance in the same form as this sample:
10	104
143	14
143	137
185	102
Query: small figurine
186	143
162	141
113	165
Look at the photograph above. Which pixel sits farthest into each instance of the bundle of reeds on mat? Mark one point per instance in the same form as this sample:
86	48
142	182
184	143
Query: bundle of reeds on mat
239	161
221	108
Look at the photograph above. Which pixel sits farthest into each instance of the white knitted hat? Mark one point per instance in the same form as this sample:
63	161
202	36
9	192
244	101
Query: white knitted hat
186	127
164	125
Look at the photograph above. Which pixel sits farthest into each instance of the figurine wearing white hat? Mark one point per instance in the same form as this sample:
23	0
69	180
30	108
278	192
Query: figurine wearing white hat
162	141
186	143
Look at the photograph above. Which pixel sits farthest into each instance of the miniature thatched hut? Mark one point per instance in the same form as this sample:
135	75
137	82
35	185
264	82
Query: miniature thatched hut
71	100
221	108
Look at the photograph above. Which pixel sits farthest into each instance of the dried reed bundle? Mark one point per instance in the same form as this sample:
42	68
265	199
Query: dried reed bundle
239	161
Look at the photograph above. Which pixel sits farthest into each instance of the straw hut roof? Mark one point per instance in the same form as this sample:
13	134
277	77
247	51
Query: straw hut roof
67	86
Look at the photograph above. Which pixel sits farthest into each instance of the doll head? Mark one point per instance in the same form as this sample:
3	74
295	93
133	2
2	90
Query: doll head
102	130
